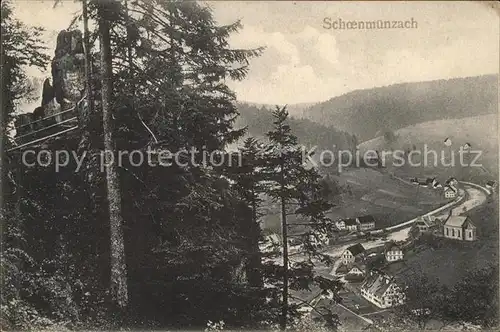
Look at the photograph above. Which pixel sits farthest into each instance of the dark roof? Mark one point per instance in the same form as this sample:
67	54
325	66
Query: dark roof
451	188
459	221
388	246
450	180
359	266
350	221
377	284
425	220
429	180
395	269
342	269
366	219
356	249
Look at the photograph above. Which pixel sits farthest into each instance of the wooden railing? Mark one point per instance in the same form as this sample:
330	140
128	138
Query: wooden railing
60	127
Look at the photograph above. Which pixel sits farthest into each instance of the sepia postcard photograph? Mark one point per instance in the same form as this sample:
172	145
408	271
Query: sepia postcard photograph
171	165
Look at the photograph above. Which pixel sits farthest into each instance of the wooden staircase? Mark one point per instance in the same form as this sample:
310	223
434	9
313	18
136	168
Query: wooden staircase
38	131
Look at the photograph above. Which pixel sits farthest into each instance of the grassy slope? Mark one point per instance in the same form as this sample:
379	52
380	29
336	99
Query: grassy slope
389	200
480	131
368	112
451	260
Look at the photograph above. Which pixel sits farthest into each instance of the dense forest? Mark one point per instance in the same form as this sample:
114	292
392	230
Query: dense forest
106	245
371	112
258	122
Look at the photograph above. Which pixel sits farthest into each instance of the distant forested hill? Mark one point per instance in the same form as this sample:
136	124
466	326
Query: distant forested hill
259	120
369	113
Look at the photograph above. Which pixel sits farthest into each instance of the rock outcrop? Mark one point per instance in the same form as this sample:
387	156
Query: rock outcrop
68	79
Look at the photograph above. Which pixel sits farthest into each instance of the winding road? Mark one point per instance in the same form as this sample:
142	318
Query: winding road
472	196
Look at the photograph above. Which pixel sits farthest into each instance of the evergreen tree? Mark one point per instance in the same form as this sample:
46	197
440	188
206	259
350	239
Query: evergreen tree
297	190
118	282
21	47
246	172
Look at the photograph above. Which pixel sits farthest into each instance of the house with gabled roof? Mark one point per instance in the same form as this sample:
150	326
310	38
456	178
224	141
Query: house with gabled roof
350	255
356	272
450	191
459	228
366	222
357	269
426	223
340	224
491	185
382	290
393	252
351	224
453	181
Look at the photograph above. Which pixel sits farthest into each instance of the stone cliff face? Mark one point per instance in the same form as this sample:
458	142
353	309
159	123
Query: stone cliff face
68	79
68	69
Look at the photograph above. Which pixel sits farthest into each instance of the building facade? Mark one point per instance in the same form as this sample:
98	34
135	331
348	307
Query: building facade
349	255
366	223
450	192
382	290
425	224
459	228
340	224
351	224
393	252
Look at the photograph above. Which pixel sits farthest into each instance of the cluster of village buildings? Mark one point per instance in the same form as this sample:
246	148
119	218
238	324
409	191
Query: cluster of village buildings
378	285
359	224
450	189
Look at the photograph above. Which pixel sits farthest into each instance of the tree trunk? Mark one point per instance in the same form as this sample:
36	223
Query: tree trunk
130	56
88	58
118	278
284	308
255	262
3	144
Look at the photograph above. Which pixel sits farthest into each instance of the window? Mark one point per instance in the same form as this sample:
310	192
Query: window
459	233
453	232
470	234
447	232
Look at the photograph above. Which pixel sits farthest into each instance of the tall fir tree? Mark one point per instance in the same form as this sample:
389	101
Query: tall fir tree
298	191
118	276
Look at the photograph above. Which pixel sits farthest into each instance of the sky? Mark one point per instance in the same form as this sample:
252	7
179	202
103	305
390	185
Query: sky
305	62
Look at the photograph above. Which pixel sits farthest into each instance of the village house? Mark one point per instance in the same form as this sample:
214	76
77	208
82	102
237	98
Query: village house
425	224
366	223
361	224
356	272
459	228
270	242
319	239
491	185
423	183
452	182
351	224
434	183
340	224
393	252
450	191
382	290
357	269
349	255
